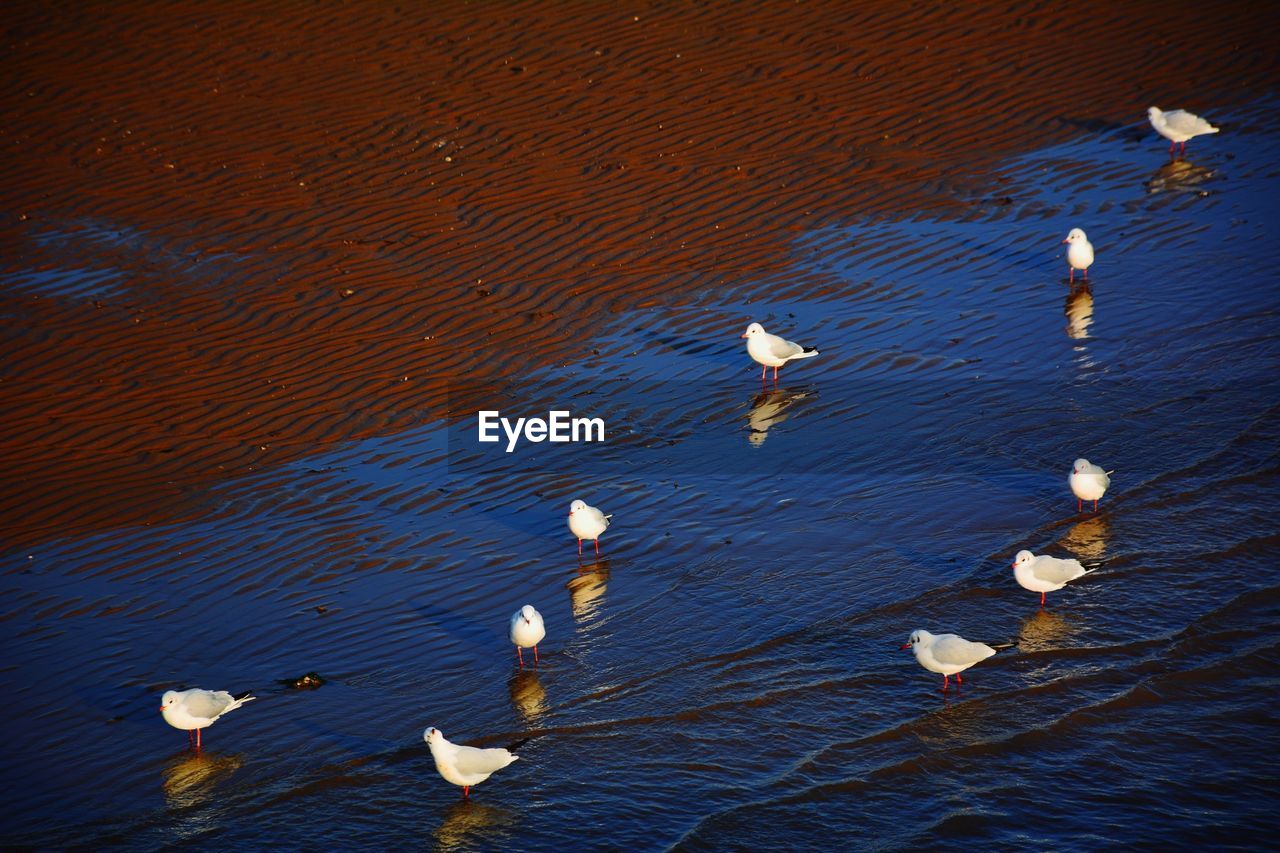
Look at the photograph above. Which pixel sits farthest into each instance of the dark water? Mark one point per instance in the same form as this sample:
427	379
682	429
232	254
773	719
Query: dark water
727	674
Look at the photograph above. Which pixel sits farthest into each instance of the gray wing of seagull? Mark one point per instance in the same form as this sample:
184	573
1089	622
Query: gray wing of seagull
783	348
1185	122
470	761
208	703
957	651
1054	570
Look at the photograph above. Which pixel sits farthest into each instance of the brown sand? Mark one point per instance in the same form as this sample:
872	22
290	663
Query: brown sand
318	214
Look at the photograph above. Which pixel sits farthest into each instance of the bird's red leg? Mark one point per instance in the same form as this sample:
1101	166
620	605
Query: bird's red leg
1095	506
959	680
579	547
197	740
1079	505
520	655
1086	273
466	791
1072	278
763	373
944	684
535	654
775	373
1042	599
597	547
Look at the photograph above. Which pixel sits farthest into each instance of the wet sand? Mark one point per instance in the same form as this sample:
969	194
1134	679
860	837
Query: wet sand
254	262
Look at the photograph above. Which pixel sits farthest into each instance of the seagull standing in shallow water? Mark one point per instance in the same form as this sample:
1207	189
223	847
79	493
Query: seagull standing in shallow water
527	630
772	351
1044	573
465	765
1088	483
1079	253
946	654
1178	126
196	709
587	522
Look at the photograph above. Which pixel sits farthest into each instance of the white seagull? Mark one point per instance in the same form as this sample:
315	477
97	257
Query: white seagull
465	765
772	351
1044	573
1178	126
947	654
527	631
196	709
1088	483
1079	253
587	522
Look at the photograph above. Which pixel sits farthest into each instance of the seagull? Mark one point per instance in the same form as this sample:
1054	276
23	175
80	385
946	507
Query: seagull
197	709
465	765
587	522
1088	483
527	630
1178	126
1044	573
1079	253
772	351
947	654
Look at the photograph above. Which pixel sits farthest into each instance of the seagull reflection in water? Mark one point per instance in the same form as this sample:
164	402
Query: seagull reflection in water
1088	539
469	825
527	695
190	779
769	408
1079	312
587	589
1178	176
1044	630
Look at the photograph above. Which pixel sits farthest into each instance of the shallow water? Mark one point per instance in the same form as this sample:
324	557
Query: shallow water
727	673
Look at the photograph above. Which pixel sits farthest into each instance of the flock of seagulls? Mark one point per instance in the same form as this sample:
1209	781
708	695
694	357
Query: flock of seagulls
946	654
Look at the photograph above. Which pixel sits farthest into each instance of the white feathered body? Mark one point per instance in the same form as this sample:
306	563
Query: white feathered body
771	350
1079	250
465	766
587	522
1088	482
947	654
1178	125
196	708
1042	573
527	629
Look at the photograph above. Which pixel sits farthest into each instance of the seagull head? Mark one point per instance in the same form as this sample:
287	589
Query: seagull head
918	638
527	613
1023	558
1154	113
169	699
1075	235
1080	466
753	329
432	736
577	506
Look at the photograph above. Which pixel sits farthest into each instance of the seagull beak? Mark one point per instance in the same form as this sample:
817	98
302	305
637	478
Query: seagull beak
743	335
904	646
161	709
1064	239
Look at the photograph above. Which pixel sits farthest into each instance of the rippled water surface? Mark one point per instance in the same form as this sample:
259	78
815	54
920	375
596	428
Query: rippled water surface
727	673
